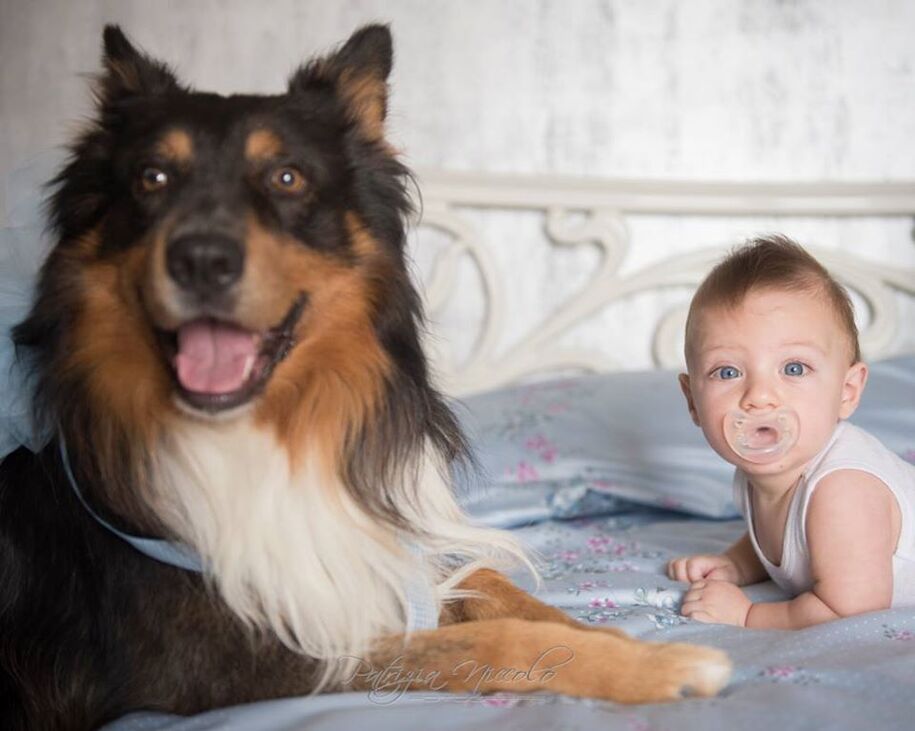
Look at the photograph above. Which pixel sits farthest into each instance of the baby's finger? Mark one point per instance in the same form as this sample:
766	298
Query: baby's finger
703	616
691	606
676	569
696	569
721	573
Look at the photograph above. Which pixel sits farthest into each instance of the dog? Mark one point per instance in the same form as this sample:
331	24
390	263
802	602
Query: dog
247	491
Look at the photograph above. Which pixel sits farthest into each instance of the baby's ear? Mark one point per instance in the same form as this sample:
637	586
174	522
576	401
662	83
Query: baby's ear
852	388
684	386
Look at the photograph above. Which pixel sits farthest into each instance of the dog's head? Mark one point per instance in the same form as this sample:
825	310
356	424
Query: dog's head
236	257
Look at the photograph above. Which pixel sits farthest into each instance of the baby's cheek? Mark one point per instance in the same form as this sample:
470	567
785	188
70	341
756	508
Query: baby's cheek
715	438
818	419
816	434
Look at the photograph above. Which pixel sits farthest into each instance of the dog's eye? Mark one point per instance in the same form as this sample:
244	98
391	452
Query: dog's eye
287	180
152	179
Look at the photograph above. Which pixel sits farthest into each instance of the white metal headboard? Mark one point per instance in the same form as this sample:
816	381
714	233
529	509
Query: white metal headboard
598	213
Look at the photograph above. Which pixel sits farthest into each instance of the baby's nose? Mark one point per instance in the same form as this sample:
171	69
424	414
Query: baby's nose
760	393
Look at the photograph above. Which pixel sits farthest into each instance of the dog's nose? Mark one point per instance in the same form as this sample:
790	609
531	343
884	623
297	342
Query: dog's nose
205	265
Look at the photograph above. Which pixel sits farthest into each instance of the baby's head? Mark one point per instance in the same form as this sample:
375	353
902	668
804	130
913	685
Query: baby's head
772	356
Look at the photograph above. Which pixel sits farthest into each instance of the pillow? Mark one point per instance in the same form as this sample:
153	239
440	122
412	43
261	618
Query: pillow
614	442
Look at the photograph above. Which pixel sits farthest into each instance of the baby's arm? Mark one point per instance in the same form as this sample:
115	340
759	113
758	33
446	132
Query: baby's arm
738	565
852	529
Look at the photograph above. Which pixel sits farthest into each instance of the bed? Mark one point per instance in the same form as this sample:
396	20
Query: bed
563	375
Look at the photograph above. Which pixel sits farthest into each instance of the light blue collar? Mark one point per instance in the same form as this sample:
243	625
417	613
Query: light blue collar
175	554
421	607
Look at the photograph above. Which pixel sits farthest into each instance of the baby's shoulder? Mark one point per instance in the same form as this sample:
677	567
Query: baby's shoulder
851	480
848	492
855	508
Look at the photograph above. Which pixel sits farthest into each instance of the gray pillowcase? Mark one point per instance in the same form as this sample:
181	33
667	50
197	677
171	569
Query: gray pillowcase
613	442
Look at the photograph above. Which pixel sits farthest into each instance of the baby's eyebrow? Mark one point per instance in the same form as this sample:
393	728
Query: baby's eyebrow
713	349
804	344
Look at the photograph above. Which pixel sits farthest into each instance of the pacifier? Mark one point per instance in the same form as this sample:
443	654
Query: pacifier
761	438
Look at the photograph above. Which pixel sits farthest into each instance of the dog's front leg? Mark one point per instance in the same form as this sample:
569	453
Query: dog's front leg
517	655
498	598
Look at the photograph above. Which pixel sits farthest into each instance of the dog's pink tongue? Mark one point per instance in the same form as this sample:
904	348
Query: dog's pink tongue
213	357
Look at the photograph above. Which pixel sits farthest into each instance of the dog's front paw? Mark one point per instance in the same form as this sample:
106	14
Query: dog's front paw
628	670
668	672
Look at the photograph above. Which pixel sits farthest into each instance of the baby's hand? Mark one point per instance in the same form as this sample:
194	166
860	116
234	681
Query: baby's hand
716	602
694	568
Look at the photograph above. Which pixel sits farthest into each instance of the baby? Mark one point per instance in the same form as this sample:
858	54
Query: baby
774	372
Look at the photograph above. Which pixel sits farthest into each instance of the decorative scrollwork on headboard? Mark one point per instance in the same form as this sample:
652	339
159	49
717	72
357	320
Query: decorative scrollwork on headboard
595	213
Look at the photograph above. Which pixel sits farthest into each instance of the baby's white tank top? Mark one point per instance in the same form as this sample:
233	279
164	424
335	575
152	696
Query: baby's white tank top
850	448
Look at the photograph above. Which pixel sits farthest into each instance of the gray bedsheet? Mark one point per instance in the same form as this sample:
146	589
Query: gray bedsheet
855	673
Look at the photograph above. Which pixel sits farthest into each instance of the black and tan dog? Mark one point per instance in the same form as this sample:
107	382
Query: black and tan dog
228	349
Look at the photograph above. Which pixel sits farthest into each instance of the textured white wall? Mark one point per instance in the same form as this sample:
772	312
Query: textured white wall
697	89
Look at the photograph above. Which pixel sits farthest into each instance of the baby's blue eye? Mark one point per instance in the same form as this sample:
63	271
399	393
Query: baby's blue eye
795	369
726	373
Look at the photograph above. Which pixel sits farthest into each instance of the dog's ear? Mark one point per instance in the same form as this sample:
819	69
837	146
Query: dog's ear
358	74
128	72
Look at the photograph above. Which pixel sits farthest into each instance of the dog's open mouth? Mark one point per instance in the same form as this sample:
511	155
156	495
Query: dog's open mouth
219	365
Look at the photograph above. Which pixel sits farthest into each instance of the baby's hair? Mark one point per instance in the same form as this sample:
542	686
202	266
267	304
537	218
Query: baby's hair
774	263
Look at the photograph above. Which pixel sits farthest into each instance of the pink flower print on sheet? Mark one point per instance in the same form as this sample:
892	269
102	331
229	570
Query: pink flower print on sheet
669	503
610	546
634	723
500	701
903	635
543	447
601	485
788	674
780	672
524	472
598	544
909	455
604	603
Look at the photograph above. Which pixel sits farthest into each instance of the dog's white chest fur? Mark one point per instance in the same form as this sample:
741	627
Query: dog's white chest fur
293	552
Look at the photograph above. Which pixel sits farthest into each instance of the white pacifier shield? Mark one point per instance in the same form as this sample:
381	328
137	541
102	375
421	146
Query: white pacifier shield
761	438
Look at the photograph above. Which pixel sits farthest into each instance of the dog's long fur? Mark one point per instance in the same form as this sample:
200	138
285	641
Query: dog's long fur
317	491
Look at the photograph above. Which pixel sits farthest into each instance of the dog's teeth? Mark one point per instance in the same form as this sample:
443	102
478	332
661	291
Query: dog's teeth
249	366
